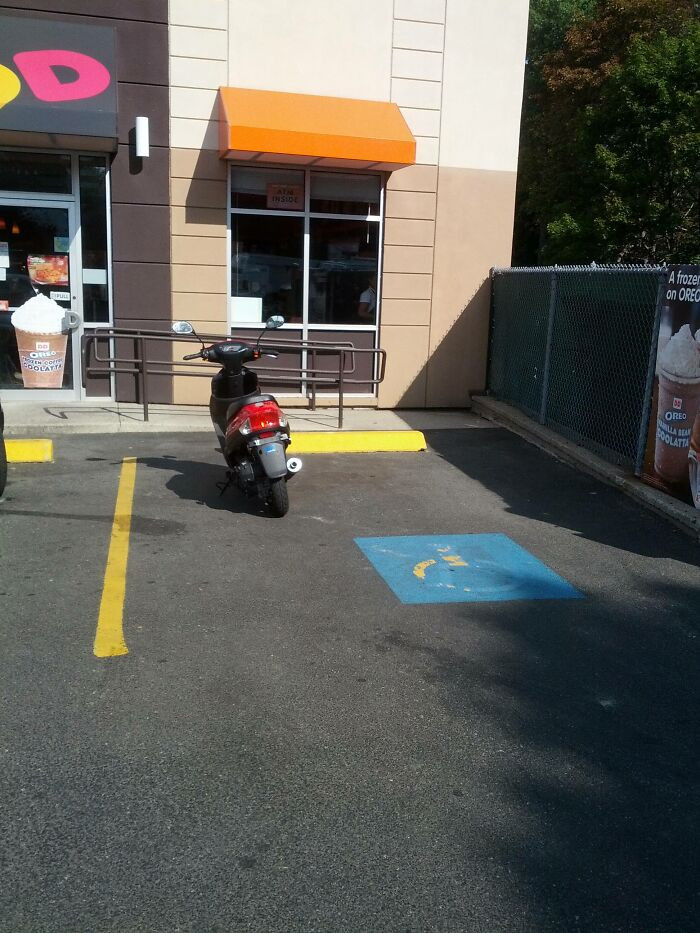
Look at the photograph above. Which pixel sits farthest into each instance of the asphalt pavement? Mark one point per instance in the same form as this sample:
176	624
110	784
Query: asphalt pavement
289	747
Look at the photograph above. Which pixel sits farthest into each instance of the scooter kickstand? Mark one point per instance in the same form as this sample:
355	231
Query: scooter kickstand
222	487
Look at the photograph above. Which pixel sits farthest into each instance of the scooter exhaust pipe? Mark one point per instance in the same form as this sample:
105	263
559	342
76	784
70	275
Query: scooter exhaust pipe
294	465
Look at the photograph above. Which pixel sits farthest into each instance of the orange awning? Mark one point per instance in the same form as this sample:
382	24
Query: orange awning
312	130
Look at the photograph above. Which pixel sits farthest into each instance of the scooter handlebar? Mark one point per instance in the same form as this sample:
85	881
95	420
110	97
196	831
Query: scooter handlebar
192	356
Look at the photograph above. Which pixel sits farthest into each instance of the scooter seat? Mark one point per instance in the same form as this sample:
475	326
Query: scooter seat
244	400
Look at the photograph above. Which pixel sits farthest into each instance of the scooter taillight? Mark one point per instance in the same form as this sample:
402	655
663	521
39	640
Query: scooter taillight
264	415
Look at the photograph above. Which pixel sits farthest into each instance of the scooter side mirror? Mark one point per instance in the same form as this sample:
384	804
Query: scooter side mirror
182	327
274	322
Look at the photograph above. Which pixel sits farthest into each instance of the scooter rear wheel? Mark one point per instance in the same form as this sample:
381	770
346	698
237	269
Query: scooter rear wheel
279	497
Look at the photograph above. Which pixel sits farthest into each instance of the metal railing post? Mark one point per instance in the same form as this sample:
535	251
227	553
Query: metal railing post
340	389
313	379
554	288
143	371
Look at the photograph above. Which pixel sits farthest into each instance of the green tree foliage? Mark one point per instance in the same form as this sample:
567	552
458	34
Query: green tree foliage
609	165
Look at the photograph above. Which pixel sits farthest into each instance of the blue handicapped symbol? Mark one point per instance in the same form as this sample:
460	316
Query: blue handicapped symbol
462	568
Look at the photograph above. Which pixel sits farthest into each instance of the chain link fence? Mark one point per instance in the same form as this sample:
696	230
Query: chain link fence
573	347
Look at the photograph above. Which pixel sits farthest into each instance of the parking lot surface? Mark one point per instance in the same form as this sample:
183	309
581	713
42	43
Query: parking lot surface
289	746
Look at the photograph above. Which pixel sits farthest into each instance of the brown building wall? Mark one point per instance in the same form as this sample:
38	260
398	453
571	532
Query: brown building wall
140	187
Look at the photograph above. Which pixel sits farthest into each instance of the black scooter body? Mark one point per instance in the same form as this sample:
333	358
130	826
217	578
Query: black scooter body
232	388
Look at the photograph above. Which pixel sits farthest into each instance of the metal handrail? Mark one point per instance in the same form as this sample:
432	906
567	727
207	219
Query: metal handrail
142	367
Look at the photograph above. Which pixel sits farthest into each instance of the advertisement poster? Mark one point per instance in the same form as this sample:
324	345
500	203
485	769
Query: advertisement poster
673	444
48	270
42	340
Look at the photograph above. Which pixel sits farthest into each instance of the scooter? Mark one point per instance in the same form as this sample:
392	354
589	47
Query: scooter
251	427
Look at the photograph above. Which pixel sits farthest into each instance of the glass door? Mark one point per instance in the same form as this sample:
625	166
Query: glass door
39	336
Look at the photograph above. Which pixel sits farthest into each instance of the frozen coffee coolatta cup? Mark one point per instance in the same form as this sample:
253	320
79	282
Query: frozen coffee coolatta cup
41	329
679	402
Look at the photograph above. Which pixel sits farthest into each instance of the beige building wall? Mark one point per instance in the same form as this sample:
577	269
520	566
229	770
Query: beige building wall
455	69
484	62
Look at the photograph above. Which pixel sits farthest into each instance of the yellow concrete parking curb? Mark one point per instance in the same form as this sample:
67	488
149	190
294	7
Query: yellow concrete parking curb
356	442
29	450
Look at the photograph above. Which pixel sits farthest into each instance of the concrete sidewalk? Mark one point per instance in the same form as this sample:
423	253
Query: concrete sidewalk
24	419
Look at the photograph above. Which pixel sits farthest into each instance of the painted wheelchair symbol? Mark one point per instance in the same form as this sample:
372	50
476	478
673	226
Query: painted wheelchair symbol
462	568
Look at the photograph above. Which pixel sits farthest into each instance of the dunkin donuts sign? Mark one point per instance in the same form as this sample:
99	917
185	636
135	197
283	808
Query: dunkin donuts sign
57	77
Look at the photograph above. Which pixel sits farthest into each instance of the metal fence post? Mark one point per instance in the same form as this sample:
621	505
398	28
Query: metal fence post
554	289
649	387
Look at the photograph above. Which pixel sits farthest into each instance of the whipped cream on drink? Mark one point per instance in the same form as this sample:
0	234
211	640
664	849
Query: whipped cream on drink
39	315
680	358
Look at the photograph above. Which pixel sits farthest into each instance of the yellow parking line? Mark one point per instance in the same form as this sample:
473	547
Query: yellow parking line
356	442
28	450
109	637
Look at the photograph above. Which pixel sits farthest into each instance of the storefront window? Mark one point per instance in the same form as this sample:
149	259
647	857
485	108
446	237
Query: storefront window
268	268
336	193
93	231
343	272
42	172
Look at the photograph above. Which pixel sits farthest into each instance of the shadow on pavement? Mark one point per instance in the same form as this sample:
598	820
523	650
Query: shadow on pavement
196	481
593	721
536	485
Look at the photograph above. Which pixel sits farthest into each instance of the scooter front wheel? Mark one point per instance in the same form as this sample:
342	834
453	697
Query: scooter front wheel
279	497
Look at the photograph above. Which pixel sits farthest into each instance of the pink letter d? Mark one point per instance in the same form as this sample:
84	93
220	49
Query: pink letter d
37	70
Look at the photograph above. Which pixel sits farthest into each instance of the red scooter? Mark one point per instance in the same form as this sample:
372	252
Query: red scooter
251	427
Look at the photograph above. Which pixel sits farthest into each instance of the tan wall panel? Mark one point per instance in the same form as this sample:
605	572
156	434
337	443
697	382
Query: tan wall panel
473	233
413	205
197	72
414	178
408	232
198	221
193	103
194	134
414	35
403	311
427	150
206	309
194	193
485	47
211	14
408	259
425	66
191	391
407	354
408	93
189	163
199	250
432	11
312	46
195	390
188	42
422	122
209	279
404	285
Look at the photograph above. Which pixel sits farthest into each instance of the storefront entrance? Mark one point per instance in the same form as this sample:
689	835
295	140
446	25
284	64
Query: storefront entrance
38	257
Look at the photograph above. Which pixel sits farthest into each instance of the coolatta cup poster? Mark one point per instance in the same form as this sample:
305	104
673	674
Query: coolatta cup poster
672	461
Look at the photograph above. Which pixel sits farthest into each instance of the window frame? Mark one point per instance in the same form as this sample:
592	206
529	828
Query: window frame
308	215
